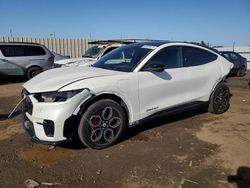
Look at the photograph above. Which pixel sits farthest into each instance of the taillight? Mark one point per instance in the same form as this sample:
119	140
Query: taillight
51	59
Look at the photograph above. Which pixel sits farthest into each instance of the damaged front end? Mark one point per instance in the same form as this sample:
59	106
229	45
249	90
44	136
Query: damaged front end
50	118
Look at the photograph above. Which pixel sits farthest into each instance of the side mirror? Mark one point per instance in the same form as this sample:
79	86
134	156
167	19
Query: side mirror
154	67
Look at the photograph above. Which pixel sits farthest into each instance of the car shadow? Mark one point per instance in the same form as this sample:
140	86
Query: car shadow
147	125
6	116
242	178
12	79
156	122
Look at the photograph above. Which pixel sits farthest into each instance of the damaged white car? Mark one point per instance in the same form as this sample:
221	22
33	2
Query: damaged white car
94	53
127	86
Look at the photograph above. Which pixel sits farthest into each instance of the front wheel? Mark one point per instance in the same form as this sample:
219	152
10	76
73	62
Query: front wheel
102	124
219	100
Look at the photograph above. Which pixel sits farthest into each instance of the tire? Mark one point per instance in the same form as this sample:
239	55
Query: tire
219	100
102	124
32	72
242	71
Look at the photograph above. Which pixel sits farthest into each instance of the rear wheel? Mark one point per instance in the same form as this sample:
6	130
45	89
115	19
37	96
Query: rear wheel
102	124
32	72
242	71
219	100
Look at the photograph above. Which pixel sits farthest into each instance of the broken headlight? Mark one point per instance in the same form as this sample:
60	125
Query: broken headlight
56	96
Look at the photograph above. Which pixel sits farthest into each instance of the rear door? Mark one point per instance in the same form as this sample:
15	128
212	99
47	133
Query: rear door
38	56
162	90
203	70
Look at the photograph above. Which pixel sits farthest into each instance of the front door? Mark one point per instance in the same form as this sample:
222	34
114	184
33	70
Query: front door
165	89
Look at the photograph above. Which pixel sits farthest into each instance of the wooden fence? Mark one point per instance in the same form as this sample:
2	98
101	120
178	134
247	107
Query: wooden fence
71	47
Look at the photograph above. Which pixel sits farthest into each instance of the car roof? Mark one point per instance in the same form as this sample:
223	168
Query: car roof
149	43
108	45
158	43
20	43
227	52
119	41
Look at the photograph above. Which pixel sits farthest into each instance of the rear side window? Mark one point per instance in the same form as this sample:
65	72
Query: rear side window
13	50
234	56
226	55
169	56
35	50
195	56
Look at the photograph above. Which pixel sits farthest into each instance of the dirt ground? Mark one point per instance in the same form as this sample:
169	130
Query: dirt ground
192	149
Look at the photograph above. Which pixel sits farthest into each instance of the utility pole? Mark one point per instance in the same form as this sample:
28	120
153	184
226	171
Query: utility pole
11	34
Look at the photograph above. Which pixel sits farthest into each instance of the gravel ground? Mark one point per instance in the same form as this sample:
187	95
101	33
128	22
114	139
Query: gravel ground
192	149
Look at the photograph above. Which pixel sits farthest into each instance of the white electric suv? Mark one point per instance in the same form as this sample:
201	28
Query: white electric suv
130	84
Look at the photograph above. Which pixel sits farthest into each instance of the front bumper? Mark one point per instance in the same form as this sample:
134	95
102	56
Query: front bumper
35	114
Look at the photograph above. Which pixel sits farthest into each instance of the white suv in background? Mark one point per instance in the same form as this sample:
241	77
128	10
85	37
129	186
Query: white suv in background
127	86
94	53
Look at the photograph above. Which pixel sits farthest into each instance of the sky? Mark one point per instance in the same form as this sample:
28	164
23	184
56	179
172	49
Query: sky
217	22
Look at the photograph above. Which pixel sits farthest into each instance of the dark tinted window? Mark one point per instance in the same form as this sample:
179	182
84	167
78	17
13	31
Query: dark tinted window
170	57
35	50
196	56
13	50
226	55
234	56
109	50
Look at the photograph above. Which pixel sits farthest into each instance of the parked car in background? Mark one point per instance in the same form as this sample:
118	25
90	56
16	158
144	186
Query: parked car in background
32	58
240	63
125	87
59	56
94	53
8	68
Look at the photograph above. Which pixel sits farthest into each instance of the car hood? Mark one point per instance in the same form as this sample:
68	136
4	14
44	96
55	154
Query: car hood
74	60
55	79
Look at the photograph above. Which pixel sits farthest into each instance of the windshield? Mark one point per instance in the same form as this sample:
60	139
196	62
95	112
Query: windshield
93	52
123	59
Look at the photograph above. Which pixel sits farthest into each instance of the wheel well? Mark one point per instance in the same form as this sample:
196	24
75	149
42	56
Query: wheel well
223	80
32	67
96	98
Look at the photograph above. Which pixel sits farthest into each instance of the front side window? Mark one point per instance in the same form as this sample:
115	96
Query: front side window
35	50
13	50
123	59
195	56
170	57
94	52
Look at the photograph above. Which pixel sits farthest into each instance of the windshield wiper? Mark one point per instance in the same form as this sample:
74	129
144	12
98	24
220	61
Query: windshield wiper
87	56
